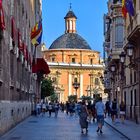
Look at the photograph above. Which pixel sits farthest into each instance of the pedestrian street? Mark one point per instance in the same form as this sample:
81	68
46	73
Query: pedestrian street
61	128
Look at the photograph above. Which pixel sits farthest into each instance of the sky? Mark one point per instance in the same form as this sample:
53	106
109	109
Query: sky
89	23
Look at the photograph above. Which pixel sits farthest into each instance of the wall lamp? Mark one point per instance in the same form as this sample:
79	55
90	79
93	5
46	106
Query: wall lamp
113	68
129	53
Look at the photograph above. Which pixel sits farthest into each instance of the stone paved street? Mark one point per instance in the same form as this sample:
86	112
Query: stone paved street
61	128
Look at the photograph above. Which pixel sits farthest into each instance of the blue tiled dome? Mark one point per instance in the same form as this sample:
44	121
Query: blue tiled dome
70	41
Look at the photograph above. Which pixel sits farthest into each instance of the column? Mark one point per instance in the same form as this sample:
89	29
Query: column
70	83
81	85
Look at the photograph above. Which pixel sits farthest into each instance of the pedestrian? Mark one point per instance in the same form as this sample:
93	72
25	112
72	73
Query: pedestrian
107	107
89	108
38	108
114	110
56	108
100	110
43	108
122	111
83	117
67	107
93	112
50	109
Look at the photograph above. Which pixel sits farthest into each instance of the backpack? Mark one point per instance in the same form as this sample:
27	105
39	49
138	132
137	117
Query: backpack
114	106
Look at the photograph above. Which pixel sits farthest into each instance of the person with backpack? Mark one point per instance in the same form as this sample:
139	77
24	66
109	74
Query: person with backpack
114	109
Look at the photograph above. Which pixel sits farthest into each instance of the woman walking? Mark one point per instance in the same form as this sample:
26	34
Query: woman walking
122	111
83	117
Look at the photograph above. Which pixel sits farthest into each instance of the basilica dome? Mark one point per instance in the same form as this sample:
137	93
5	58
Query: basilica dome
70	41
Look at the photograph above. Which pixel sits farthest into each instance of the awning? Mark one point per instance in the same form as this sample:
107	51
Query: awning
40	65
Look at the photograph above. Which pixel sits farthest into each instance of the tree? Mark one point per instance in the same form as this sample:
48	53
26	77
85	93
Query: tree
47	88
72	98
86	98
53	97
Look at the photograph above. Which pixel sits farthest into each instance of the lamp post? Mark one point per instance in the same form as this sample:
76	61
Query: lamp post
76	86
76	83
91	82
113	69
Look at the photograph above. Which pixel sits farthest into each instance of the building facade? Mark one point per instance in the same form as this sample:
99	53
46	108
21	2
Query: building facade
18	84
113	46
123	73
75	68
131	89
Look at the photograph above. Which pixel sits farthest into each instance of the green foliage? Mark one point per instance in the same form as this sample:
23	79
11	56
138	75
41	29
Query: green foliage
53	97
72	98
96	97
47	88
86	98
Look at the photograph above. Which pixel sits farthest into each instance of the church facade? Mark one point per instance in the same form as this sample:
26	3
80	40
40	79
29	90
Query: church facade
75	68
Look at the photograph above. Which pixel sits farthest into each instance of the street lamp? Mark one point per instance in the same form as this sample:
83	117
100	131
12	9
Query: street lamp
113	68
76	83
122	57
76	86
129	53
130	49
91	82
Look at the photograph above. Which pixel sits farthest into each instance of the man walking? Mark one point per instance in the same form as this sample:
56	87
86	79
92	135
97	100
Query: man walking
100	109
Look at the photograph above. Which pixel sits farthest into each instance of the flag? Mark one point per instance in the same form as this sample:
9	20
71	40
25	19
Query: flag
2	22
124	10
130	7
36	34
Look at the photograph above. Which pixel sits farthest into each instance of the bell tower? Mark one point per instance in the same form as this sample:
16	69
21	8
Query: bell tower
70	21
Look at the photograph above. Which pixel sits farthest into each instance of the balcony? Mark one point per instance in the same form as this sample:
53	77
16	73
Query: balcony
133	29
115	53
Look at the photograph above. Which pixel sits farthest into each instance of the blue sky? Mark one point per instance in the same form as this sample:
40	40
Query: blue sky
89	23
